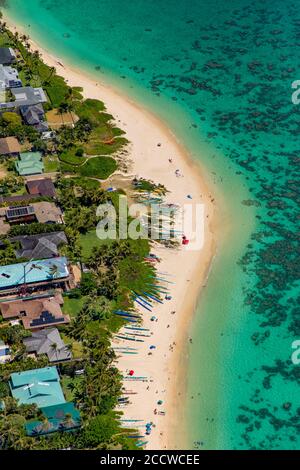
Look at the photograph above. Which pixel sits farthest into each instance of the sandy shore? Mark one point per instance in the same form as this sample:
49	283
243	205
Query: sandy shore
188	269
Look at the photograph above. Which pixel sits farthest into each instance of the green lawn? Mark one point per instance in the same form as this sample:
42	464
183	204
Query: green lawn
70	157
86	183
98	167
51	164
89	242
77	349
73	306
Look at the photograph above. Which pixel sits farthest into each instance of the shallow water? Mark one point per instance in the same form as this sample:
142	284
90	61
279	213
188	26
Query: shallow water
221	78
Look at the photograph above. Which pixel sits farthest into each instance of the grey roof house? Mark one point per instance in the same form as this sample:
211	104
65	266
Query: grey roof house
34	115
48	341
9	78
7	56
40	246
25	96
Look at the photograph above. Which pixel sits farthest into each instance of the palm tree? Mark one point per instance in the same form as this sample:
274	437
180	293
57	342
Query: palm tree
54	347
45	425
47	79
11	428
68	421
54	270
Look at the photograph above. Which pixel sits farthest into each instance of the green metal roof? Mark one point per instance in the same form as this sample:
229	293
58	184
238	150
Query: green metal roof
30	163
62	417
39	386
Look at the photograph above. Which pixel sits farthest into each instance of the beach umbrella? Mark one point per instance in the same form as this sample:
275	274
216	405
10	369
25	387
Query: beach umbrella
160	402
153	318
131	372
152	347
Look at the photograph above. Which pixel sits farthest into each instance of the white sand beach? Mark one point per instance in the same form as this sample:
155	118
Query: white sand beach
188	269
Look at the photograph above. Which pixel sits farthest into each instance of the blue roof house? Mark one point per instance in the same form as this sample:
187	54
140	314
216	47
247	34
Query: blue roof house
62	417
37	386
36	272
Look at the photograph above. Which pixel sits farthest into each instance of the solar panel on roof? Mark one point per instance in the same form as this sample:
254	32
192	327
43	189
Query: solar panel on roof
46	317
19	211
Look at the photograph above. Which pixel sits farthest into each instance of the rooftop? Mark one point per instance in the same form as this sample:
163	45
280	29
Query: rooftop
15	212
19	198
47	212
44	212
9	145
9	77
7	55
34	116
39	386
62	417
44	245
36	313
35	271
30	163
48	341
41	187
28	96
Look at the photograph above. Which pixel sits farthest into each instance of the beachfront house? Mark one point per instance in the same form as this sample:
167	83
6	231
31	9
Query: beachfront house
61	417
40	246
34	116
35	188
41	187
7	56
47	213
37	312
38	386
9	78
43	212
9	146
48	341
19	215
42	388
28	96
34	276
30	163
24	96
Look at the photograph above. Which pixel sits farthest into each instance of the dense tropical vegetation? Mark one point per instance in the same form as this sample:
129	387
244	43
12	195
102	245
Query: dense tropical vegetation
85	151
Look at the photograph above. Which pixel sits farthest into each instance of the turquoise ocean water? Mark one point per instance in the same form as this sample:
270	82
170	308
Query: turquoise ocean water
219	73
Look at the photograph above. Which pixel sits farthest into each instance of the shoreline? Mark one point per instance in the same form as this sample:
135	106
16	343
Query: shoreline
189	269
